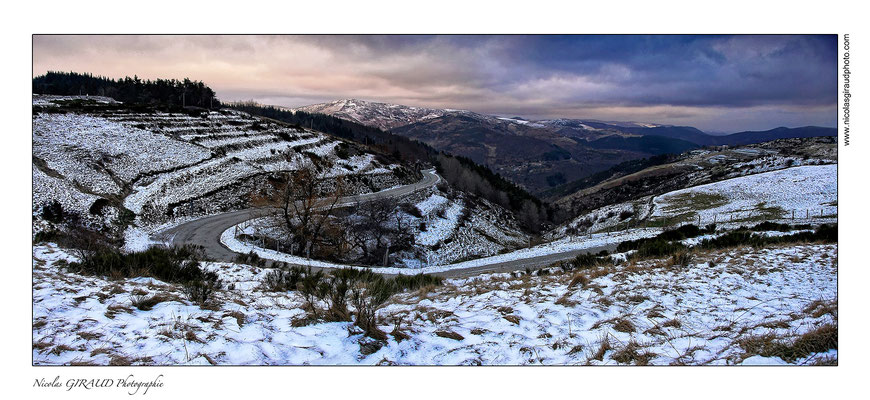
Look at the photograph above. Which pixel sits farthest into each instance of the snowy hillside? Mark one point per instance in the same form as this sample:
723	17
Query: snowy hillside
802	189
162	166
726	307
807	193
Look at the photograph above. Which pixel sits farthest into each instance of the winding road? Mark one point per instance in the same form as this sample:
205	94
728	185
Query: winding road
206	232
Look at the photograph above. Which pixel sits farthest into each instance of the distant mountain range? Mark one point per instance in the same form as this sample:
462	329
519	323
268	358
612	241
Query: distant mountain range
543	153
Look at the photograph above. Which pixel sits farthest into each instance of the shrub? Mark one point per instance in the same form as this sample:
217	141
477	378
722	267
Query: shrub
771	226
682	258
52	212
340	282
339	289
732	239
625	214
251	258
341	151
744	237
173	265
282	281
414	282
98	206
313	287
199	291
367	298
46	236
657	248
411	210
441	212
826	233
584	224
685	232
585	260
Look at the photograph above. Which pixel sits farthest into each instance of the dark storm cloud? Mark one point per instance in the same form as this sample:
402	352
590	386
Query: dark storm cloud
685	79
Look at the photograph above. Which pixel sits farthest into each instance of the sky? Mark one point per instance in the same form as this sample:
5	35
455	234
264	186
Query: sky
719	84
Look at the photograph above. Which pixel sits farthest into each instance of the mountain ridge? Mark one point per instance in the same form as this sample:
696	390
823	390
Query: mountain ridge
540	154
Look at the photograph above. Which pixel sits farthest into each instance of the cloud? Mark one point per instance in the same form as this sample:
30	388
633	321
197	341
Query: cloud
659	78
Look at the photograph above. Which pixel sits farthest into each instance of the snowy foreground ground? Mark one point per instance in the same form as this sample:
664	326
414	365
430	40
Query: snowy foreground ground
720	309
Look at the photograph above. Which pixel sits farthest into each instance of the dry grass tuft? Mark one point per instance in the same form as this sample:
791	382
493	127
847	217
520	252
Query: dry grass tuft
505	310
603	347
624	325
579	279
576	349
399	335
56	350
102	350
673	323
435	315
190	336
513	319
633	352
819	308
90	335
238	315
41	345
450	335
147	303
818	340
565	300
637	298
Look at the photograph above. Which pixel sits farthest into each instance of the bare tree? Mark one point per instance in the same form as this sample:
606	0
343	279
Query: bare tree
304	205
376	230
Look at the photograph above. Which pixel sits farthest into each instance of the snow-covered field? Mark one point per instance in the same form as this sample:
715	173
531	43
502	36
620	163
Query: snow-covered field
812	188
809	191
720	309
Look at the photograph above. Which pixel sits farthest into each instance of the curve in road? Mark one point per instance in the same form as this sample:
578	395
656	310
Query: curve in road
206	232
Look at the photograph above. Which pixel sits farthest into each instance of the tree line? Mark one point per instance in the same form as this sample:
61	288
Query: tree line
170	92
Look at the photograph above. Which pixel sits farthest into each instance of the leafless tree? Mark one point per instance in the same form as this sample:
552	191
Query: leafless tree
303	206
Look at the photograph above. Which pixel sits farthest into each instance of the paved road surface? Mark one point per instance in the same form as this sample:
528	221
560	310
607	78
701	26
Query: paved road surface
206	232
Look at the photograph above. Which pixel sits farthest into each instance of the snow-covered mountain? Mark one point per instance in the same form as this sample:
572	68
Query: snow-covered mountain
381	115
540	154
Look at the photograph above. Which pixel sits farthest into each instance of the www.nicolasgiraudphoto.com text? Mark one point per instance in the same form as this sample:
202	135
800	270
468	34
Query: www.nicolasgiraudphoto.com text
847	95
